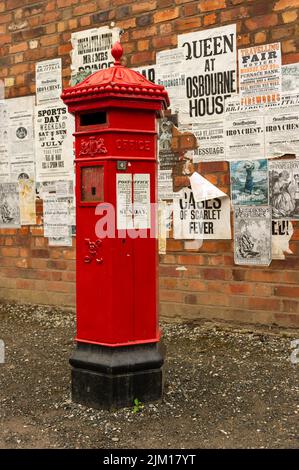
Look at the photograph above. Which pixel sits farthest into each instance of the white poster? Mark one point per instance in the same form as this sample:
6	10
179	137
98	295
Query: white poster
290	78
124	212
244	137
48	81
208	220
92	51
56	218
210	136
281	133
260	73
165	184
282	231
9	205
4	146
210	68
142	201
284	189
20	133
54	128
170	73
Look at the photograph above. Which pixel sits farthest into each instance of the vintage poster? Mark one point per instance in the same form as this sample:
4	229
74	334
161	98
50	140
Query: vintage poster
281	133
290	78
170	73
148	71
24	175
260	73
210	138
282	231
167	156
60	241
124	211
249	182
252	235
9	205
202	188
21	133
59	188
92	51
244	137
48	81
284	189
56	218
208	220
142	201
165	184
54	128
210	71
4	146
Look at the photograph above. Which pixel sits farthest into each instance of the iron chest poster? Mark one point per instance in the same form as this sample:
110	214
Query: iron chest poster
48	80
209	64
249	182
284	189
252	235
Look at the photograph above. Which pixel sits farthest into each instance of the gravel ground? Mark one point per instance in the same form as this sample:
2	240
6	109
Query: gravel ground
224	388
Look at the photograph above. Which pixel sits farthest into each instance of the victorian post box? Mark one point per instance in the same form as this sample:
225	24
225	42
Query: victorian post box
117	356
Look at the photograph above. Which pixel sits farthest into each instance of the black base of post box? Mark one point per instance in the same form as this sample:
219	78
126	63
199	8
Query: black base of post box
107	377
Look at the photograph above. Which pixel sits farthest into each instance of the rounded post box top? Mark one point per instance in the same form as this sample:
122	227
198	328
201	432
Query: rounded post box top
117	81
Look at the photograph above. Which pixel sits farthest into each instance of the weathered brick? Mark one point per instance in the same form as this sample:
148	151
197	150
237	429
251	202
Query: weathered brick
142	7
166	15
21	47
289	16
164	41
265	21
209	19
284	4
209	5
288	46
145	57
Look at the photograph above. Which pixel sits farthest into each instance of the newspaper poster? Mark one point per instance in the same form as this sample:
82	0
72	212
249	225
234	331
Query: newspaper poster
4	146
290	78
9	205
249	182
48	81
281	133
21	134
54	127
260	73
244	137
282	231
60	241
170	73
284	189
148	71
167	156
59	188
210	138
92	51
210	67
142	201
207	220
252	235
56	218
165	184
24	175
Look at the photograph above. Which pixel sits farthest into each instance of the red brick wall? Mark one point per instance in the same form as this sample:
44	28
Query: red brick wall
211	286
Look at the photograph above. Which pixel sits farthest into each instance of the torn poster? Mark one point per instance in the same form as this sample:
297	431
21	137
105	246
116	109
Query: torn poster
171	74
210	138
60	241
284	189
252	235
244	137
167	156
249	182
148	71
165	184
9	205
260	73
208	220
92	51
282	231
21	135
48	81
202	188
54	128
210	67
281	133
290	78
24	175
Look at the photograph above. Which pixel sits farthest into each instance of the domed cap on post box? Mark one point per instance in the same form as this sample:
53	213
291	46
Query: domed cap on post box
119	82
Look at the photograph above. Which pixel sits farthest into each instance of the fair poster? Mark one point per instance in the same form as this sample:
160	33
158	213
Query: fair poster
210	71
92	51
260	73
206	219
284	189
290	78
24	175
210	137
20	132
244	137
9	205
252	235
282	231
249	182
281	133
54	128
171	74
142	201
124	212
48	78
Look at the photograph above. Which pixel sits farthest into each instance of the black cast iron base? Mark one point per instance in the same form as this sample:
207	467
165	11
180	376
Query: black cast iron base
106	377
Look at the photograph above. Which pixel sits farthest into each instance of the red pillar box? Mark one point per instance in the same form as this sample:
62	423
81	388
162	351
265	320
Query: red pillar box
117	356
